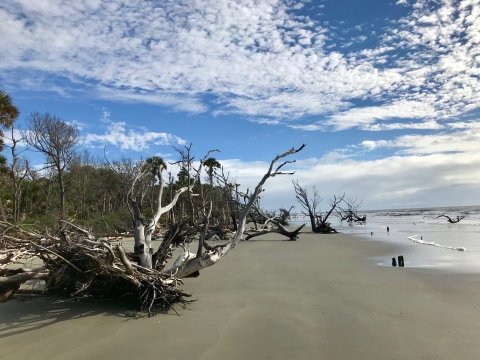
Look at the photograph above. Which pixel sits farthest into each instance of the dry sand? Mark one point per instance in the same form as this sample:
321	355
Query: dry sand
321	297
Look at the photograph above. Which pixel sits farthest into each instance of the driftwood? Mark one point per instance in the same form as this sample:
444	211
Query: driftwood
450	220
278	221
348	210
292	235
188	263
318	221
78	265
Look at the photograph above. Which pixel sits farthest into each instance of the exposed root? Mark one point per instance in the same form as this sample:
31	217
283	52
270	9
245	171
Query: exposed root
76	265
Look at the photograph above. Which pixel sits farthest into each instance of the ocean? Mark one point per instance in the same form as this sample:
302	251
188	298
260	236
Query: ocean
424	239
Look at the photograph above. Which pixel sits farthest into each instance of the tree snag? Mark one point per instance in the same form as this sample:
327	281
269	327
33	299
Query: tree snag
450	220
318	221
188	263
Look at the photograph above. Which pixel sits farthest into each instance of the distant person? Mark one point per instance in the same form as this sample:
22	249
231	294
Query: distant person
371	233
388	229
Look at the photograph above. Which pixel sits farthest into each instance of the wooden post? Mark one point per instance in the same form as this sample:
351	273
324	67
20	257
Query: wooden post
394	262
400	261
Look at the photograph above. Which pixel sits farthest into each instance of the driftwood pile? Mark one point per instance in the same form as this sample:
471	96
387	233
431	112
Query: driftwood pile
76	264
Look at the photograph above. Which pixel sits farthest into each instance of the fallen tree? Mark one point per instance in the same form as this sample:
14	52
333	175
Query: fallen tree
318	221
276	220
450	220
78	264
348	210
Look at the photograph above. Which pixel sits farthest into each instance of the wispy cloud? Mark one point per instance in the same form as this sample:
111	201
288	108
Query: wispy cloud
367	115
426	125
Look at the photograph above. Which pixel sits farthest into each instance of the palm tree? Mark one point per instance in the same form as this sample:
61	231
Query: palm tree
4	171
8	114
211	164
154	162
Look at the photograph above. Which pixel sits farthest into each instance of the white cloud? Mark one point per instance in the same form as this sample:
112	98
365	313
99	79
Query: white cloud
466	141
309	127
255	58
118	135
428	170
426	180
78	124
9	137
367	115
426	125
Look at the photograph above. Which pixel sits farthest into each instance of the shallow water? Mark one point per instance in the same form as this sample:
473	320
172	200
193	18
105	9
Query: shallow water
424	239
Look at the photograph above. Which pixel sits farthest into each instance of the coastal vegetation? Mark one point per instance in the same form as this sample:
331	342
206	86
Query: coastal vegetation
62	217
76	263
66	215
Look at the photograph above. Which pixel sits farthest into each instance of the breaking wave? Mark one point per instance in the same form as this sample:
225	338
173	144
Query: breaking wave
420	241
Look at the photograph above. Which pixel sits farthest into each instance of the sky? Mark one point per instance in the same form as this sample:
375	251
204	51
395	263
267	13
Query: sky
385	94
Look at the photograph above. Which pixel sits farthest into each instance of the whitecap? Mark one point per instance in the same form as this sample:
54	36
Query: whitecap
423	242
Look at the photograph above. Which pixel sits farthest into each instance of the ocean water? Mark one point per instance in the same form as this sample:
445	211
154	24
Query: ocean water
424	239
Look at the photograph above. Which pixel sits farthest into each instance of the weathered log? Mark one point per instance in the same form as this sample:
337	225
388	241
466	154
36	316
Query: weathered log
292	235
450	220
12	279
190	265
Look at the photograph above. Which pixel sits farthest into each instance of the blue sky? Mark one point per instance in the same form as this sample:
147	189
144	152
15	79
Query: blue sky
385	95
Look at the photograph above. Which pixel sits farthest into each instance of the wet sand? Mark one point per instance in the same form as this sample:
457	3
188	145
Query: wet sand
321	297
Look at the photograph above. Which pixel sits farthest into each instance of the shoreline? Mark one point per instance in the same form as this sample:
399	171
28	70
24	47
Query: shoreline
317	297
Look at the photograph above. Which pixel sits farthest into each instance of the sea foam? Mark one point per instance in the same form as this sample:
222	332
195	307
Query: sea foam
415	239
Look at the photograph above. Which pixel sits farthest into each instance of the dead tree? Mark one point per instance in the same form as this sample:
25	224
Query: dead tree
268	220
57	140
19	170
77	264
450	220
348	210
188	263
318	221
137	186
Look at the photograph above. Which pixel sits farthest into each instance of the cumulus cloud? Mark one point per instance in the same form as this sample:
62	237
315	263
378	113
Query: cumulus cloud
9	138
425	170
399	180
466	141
118	134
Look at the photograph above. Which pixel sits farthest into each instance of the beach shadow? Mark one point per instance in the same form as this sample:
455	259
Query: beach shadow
22	316
276	240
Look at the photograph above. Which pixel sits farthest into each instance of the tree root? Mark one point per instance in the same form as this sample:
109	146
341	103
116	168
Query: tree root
78	266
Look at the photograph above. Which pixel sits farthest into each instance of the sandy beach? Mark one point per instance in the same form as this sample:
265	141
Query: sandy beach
321	297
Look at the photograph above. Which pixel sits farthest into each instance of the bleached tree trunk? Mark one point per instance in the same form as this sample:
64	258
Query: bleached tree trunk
143	229
2	213
188	263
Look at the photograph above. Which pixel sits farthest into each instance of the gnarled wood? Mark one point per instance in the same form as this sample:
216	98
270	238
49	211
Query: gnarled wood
211	257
